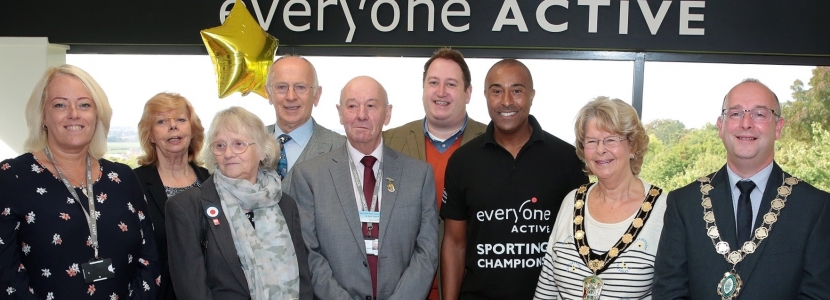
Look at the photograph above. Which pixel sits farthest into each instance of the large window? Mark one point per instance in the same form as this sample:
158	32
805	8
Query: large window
692	93
681	104
681	101
562	87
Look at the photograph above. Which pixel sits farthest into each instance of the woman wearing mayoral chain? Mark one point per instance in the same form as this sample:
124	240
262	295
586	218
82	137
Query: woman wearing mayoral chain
605	236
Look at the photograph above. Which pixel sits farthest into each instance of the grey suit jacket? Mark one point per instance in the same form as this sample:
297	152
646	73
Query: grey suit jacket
322	141
408	252
792	263
410	140
215	273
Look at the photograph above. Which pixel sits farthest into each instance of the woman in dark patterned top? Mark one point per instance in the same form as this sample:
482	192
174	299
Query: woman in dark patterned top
171	135
48	249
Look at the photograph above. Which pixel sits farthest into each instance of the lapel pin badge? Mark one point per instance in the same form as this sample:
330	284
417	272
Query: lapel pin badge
213	212
390	186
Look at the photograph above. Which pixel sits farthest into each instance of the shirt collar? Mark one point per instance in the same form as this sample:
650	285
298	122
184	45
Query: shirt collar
441	144
356	155
536	135
760	179
301	135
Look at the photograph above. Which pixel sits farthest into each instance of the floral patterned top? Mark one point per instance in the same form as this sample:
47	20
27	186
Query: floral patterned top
44	236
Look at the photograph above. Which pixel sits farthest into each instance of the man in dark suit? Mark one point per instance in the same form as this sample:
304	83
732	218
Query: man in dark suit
718	239
345	208
293	90
446	127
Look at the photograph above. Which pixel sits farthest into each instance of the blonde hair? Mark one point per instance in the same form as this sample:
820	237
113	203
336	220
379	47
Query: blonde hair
164	102
35	110
616	116
241	121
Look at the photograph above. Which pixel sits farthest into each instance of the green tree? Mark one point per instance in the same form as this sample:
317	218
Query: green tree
698	152
808	106
666	130
807	160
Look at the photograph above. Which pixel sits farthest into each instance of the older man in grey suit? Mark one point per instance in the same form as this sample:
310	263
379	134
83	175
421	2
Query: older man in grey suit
369	236
293	90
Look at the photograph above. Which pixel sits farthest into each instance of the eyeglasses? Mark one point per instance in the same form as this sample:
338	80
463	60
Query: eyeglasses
759	114
282	88
609	142
237	147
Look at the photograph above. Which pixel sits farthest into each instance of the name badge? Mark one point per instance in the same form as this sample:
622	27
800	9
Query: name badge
369	216
97	270
371	246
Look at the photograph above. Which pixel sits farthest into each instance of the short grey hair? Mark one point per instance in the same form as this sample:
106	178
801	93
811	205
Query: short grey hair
241	121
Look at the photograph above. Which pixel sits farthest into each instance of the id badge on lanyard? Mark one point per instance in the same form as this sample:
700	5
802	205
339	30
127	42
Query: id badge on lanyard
96	269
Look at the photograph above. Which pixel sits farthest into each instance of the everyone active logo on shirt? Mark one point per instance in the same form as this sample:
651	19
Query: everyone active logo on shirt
524	226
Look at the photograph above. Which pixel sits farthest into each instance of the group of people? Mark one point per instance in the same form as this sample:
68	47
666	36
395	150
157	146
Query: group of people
443	207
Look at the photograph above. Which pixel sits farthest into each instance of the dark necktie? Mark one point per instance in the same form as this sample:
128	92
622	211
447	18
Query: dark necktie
369	189
282	165
744	212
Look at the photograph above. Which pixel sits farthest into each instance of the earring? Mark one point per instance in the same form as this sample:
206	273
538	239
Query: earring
631	157
45	128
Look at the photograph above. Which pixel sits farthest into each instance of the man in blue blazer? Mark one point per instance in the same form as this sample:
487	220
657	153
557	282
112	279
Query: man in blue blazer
750	230
293	90
367	212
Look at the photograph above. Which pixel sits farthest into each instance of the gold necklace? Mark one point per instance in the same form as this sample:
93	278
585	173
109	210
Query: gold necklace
730	285
592	285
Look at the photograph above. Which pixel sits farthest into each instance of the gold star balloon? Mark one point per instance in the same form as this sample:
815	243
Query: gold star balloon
241	53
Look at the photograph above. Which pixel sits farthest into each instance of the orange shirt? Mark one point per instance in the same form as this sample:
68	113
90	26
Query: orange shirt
439	165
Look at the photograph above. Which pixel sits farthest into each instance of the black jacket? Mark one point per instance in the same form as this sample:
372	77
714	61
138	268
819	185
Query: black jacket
148	177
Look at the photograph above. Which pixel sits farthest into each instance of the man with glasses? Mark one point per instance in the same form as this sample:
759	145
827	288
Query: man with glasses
446	126
718	239
294	91
367	212
502	193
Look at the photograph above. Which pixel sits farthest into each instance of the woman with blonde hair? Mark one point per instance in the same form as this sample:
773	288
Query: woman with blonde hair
237	236
606	234
73	224
171	135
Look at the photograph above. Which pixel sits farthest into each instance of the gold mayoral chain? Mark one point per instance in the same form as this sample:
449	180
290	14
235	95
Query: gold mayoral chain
730	285
592	285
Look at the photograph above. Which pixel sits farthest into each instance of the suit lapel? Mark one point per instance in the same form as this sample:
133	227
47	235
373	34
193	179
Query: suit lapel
722	205
771	191
473	130
222	236
316	145
417	135
391	169
156	188
342	177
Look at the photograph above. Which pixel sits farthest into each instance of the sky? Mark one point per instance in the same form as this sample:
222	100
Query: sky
688	92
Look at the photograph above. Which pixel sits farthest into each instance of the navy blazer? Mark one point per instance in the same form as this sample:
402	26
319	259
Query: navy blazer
792	263
148	177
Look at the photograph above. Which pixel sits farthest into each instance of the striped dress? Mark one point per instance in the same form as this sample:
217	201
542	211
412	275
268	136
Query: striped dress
630	276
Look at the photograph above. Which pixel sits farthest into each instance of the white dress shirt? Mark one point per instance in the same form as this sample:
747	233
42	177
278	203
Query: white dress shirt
356	157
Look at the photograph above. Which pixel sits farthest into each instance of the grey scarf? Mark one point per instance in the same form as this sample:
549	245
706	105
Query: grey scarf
267	253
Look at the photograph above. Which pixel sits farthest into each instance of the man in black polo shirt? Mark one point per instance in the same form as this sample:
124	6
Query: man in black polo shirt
502	193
